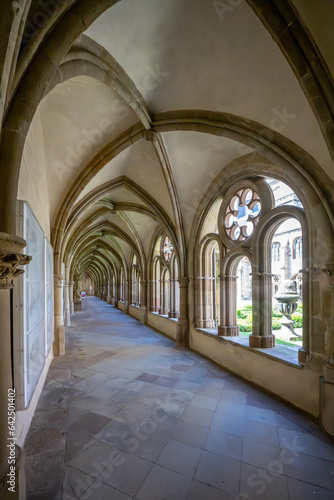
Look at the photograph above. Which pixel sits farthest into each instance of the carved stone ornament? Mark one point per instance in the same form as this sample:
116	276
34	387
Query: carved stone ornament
58	278
326	276
150	135
9	262
183	281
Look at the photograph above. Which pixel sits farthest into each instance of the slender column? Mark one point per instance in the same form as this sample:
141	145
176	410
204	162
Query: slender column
71	297
127	296
173	312
143	307
182	339
262	322
10	258
67	303
109	292
117	285
59	342
229	326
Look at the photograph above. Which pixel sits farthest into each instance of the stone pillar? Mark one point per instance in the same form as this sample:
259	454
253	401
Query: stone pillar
59	342
174	296
10	258
143	307
117	285
228	309
262	321
326	278
127	296
71	297
109	296
182	339
67	303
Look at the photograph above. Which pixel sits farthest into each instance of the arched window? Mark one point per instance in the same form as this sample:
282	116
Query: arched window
297	248
255	231
276	252
164	285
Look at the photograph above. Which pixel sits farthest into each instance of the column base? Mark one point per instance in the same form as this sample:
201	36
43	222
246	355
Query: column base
173	314
77	305
108	300
164	312
228	331
182	333
262	341
59	341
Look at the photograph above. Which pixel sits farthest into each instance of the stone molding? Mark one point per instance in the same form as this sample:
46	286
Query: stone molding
10	258
58	278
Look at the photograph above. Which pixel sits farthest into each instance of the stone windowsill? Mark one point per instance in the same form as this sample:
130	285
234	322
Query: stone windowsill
163	316
281	353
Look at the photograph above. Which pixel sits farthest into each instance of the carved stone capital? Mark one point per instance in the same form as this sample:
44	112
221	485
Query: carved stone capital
67	282
183	281
58	278
10	258
150	135
144	283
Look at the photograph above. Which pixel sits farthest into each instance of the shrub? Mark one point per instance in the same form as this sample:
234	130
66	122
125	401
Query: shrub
241	314
276	325
245	327
298	319
276	314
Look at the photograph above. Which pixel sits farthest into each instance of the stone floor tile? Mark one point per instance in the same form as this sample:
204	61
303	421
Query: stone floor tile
90	423
192	434
199	416
204	402
226	423
203	491
164	483
126	473
224	444
209	391
301	490
219	471
305	443
260	415
234	396
260	432
231	408
263	485
180	457
262	455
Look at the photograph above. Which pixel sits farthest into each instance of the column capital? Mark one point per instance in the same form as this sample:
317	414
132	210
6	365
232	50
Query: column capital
57	279
67	282
144	282
183	281
10	258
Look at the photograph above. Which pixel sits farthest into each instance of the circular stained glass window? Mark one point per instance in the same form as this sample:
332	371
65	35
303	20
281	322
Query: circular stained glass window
167	249
242	214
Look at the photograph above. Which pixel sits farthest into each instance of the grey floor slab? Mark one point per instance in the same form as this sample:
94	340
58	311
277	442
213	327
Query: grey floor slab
125	414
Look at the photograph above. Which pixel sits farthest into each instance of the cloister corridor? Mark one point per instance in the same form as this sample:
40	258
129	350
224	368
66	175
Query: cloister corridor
127	414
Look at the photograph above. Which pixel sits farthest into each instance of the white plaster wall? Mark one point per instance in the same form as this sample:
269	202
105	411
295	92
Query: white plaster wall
298	385
24	417
164	325
33	181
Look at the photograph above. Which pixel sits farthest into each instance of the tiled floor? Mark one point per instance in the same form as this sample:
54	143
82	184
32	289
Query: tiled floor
127	415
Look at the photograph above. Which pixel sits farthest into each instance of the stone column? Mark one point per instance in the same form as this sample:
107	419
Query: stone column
117	285
182	339
143	307
173	312
67	303
109	296
228	309
10	258
71	297
262	335
326	286
59	342
127	296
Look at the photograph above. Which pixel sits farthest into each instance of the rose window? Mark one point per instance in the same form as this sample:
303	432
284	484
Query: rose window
242	214
167	249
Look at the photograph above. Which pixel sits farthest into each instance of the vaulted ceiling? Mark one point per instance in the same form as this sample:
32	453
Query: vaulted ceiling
151	103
